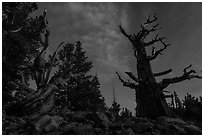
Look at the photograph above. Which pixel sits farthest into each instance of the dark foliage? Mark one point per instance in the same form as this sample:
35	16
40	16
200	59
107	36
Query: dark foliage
190	108
81	92
115	108
21	35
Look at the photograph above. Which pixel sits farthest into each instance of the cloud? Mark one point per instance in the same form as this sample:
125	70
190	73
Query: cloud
103	42
96	25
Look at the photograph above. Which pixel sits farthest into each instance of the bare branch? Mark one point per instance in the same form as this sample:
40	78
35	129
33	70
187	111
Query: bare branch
186	75
155	40
145	32
47	32
159	51
130	37
127	83
162	73
185	69
51	64
149	20
132	77
39	61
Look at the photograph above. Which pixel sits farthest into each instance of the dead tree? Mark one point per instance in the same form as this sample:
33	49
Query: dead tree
150	98
39	101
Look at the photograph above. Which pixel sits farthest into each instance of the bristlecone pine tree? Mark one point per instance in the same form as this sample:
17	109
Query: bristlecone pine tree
39	101
150	98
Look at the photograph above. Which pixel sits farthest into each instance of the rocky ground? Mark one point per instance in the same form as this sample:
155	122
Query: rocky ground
96	123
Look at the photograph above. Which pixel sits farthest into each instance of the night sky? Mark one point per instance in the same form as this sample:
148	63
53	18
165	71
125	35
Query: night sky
96	26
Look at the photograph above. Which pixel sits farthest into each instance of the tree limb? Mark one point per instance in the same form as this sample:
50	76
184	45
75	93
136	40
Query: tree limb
156	39
162	73
39	61
130	37
132	77
52	60
159	51
127	83
145	32
186	75
149	20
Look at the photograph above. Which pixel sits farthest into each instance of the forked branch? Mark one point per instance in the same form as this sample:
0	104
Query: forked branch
132	77
144	32
149	20
155	40
186	75
129	36
127	83
153	56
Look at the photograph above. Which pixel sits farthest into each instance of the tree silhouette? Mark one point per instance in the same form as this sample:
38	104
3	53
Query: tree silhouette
115	109
21	35
150	98
39	101
71	76
81	92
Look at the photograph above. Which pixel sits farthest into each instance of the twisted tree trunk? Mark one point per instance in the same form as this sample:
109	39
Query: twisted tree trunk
150	98
41	101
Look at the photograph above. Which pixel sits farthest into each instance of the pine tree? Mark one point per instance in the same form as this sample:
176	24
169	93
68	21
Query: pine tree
115	108
81	92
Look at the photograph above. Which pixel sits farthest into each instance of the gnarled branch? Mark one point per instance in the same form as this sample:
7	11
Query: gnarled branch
159	51
149	20
127	83
39	62
132	77
162	73
144	32
186	75
155	40
130	37
51	64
